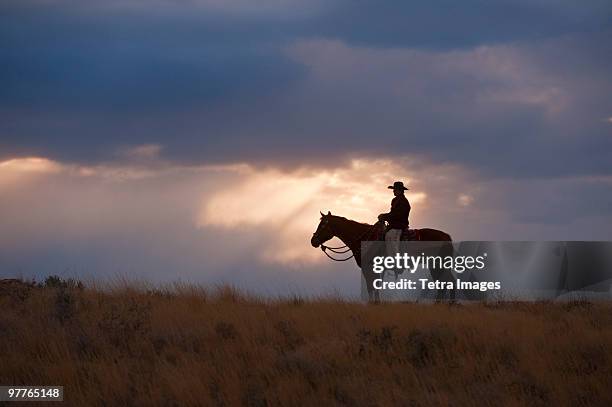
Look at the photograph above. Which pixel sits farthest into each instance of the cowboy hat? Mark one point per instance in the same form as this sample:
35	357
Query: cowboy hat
398	185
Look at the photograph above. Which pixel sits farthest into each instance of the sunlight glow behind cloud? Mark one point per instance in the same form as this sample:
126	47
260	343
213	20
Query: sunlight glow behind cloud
159	219
29	164
290	202
18	170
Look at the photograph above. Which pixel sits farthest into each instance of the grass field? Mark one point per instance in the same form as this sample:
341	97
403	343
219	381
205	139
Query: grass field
185	345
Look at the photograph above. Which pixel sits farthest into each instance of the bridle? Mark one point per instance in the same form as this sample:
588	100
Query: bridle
345	248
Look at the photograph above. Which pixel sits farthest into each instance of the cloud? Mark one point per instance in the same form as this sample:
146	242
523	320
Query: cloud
279	9
144	151
314	90
200	139
289	202
465	200
29	165
504	110
210	223
315	101
448	25
196	216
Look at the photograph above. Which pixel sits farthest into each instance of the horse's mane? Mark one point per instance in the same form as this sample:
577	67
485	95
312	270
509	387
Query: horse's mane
351	222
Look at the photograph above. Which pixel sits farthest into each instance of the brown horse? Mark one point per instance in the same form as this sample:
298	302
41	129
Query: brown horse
352	233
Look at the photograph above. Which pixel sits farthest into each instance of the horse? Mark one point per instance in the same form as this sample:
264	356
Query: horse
353	233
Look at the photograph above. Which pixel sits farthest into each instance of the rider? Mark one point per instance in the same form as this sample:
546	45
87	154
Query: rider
397	218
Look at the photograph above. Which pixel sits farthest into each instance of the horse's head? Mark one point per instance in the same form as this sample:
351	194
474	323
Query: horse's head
323	232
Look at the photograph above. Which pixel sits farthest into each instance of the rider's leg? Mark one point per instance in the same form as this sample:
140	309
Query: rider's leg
392	241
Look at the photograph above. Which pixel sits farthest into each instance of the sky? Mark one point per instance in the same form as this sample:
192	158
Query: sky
198	140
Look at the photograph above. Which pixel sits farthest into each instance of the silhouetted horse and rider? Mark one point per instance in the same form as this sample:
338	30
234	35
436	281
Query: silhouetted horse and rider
353	233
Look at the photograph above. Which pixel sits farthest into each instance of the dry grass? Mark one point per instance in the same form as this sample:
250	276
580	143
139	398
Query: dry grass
188	346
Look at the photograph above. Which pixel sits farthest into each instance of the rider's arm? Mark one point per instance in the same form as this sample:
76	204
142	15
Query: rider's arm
384	216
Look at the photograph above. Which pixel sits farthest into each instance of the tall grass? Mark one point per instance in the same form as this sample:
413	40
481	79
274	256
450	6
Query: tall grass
186	345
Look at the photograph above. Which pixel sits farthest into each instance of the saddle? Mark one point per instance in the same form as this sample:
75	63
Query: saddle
407	234
411	234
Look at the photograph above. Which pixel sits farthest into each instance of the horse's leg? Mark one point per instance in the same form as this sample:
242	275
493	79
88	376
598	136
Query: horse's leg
373	295
369	286
443	274
440	292
436	274
451	251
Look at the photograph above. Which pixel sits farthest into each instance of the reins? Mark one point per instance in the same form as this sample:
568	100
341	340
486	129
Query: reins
345	248
323	247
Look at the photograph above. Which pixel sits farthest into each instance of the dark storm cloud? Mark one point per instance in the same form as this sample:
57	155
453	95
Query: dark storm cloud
122	63
75	84
445	24
218	81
